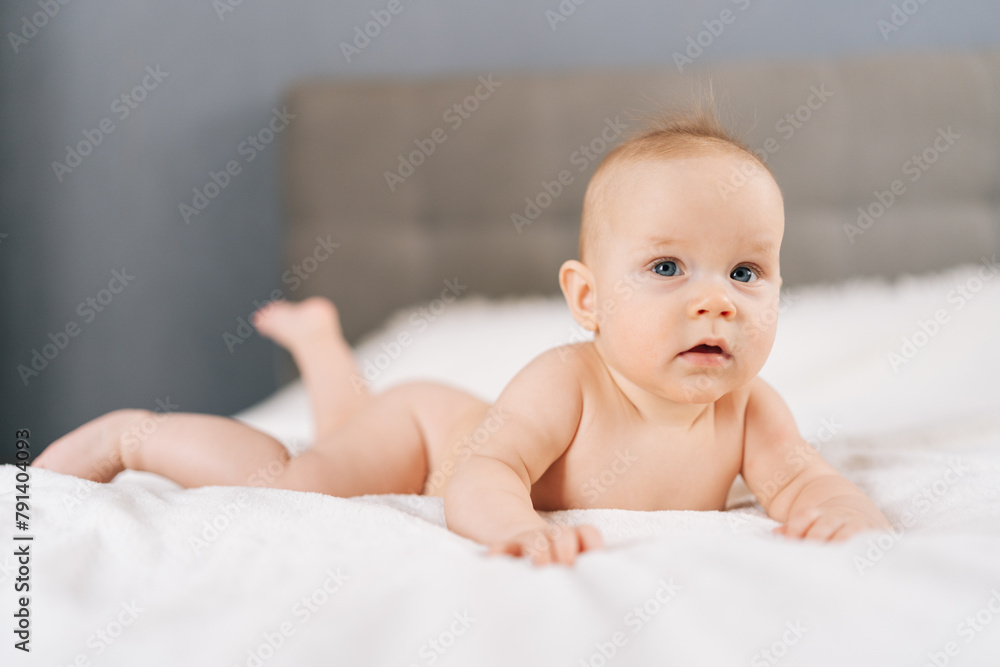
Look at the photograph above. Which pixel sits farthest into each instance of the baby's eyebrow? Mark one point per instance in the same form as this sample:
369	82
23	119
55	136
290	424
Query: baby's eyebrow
660	242
653	246
763	246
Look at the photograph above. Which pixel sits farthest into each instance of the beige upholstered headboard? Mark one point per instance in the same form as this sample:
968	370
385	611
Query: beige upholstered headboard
480	179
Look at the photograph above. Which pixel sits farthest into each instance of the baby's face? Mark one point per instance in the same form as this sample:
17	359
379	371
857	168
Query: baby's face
687	281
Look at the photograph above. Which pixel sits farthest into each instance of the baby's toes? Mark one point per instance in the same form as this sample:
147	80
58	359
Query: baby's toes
265	318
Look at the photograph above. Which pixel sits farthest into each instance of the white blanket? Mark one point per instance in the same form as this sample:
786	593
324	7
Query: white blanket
142	572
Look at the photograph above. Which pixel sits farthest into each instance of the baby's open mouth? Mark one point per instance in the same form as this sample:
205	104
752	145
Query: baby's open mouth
707	349
706	354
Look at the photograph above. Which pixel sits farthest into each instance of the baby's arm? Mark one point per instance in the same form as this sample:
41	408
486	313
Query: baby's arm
793	482
488	499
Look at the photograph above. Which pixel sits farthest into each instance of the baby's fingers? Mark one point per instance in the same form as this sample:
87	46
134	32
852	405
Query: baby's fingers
568	542
590	538
537	549
559	544
824	527
536	545
505	548
852	528
799	524
541	553
565	545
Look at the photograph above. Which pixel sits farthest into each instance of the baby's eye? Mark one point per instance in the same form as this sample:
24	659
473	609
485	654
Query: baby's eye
744	274
667	268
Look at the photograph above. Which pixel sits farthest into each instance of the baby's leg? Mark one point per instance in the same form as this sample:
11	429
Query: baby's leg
311	331
379	450
191	449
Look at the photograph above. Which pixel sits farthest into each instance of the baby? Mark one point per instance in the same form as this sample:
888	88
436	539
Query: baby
678	279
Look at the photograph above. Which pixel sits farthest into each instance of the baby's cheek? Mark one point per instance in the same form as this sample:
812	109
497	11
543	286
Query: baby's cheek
752	350
640	332
759	327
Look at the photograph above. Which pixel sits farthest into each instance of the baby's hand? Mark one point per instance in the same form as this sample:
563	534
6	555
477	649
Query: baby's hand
836	519
554	544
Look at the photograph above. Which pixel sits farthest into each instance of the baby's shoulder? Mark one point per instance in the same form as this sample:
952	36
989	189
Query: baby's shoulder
762	409
579	360
573	365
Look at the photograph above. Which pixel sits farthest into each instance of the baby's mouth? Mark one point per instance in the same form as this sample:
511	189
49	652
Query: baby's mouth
707	349
706	354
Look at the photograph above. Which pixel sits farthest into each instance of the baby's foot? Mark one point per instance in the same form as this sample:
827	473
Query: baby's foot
293	324
91	451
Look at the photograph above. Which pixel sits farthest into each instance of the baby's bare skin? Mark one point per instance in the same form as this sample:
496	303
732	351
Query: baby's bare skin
615	459
682	298
660	411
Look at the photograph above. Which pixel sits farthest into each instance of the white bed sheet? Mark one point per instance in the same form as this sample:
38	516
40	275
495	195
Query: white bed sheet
140	571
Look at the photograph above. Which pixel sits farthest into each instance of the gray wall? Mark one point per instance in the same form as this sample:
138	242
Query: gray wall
161	336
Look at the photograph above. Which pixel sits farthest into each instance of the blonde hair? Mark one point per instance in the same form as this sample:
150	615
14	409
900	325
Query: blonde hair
669	134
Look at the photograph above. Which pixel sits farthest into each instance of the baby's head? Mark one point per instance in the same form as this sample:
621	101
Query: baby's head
678	275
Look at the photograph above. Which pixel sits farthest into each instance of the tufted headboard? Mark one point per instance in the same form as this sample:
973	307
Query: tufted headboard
480	179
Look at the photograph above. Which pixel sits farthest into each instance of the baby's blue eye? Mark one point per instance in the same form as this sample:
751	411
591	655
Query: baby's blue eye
744	274
667	268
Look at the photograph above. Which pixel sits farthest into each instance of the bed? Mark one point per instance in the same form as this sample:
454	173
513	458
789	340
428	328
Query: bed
886	353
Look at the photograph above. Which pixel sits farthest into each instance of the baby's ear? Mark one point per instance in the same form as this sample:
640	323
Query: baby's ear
577	283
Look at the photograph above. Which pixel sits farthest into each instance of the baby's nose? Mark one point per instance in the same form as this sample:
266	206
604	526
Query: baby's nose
711	302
